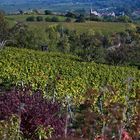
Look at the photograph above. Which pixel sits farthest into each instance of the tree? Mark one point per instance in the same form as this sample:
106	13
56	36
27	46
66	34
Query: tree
21	12
124	19
87	48
99	55
74	41
39	18
48	19
80	19
24	37
64	45
117	56
53	36
4	31
30	18
47	12
55	19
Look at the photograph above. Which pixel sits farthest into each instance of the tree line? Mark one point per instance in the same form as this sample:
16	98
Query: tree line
76	17
121	48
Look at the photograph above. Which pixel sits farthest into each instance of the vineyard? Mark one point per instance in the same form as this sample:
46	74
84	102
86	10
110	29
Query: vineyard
72	75
39	68
66	78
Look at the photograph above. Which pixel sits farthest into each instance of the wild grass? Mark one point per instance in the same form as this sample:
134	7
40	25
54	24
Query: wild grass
101	27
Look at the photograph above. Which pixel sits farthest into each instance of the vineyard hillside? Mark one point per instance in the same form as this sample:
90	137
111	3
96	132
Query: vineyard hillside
68	74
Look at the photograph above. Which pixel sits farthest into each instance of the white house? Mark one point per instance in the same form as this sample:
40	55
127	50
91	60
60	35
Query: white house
94	13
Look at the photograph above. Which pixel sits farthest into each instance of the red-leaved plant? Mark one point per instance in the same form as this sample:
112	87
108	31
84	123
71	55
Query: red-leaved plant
34	111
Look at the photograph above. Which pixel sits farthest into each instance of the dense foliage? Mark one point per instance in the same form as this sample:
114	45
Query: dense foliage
35	113
31	18
117	49
112	120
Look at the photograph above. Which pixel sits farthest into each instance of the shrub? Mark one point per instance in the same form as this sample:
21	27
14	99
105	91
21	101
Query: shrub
23	37
47	12
124	19
55	19
39	18
117	56
31	18
48	19
39	117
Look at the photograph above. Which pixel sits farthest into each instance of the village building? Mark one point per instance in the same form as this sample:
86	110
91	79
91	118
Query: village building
109	14
94	13
101	14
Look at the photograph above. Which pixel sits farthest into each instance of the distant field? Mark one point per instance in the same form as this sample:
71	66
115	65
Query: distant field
103	27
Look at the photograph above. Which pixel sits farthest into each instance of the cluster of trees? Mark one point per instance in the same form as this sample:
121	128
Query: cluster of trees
48	12
76	16
47	19
33	18
40	18
18	35
124	19
117	49
83	18
79	18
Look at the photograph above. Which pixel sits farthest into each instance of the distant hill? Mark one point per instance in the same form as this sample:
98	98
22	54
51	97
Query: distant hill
74	1
67	5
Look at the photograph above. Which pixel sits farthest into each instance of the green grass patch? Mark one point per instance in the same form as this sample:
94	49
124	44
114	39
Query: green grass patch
103	27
